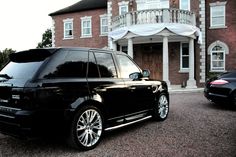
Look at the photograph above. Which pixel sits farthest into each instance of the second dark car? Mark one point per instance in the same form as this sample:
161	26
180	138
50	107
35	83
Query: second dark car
222	88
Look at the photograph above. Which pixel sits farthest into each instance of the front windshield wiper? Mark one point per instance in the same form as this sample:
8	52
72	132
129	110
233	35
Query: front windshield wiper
5	76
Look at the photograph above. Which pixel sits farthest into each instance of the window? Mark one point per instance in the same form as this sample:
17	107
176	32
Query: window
184	57
217	59
68	29
217	15
67	64
105	64
103	25
123	7
217	52
152	4
86	27
184	4
127	66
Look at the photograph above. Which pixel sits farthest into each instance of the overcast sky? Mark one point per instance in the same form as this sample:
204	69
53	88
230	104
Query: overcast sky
22	22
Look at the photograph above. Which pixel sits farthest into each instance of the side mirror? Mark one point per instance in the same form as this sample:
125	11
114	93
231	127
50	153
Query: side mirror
135	76
146	73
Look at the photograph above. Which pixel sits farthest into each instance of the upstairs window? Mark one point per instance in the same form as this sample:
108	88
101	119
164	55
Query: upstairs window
103	25
152	4
123	7
185	4
68	29
86	27
217	11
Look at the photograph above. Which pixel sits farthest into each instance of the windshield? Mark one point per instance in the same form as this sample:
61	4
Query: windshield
21	70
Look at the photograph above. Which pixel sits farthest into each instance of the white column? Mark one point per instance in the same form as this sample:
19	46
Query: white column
191	83
130	48
113	45
166	61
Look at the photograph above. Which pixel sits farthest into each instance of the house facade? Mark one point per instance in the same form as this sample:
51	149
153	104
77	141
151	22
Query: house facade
221	36
177	40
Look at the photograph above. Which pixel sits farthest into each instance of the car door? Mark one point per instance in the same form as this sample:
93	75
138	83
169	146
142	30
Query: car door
139	93
103	80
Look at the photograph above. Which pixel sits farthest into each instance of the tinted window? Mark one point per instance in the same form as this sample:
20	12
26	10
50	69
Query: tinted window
92	67
67	64
21	70
105	64
127	66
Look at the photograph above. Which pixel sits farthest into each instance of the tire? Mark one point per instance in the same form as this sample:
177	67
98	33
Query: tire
161	108
86	129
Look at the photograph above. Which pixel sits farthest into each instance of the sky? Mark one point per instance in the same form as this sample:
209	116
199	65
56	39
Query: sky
22	22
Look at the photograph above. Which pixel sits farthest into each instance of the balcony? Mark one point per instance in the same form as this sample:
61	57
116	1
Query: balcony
154	16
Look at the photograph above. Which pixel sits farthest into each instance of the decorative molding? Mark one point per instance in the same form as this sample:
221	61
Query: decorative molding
218	43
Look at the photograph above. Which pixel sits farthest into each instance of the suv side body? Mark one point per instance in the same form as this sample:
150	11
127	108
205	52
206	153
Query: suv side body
63	82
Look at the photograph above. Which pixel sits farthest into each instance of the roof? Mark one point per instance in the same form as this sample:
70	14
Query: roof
82	5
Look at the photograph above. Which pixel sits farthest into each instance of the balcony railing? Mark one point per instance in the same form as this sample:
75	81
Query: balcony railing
154	16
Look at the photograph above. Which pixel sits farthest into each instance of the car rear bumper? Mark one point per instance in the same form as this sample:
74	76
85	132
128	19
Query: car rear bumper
215	97
27	124
16	122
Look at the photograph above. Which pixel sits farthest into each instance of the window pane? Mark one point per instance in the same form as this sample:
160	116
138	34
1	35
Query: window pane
127	66
92	67
184	4
185	61
105	64
217	11
217	56
185	49
67	64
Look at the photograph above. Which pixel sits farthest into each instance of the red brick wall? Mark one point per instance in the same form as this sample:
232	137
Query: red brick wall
226	35
96	41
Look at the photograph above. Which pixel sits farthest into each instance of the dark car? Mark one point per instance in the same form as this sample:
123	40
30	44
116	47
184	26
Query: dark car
80	92
222	88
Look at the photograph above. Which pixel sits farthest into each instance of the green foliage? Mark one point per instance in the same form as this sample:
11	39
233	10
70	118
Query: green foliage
4	56
212	74
46	39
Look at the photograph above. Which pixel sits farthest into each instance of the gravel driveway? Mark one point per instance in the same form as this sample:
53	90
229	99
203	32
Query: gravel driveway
195	127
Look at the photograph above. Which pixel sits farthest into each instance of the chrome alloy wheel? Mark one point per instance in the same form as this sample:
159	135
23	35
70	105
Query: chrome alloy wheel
89	127
163	106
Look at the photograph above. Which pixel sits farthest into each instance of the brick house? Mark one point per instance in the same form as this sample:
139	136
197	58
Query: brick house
171	38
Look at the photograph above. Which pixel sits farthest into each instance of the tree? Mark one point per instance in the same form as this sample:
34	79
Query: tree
4	56
46	39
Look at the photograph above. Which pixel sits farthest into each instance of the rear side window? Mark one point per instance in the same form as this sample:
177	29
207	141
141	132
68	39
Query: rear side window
24	64
105	64
67	65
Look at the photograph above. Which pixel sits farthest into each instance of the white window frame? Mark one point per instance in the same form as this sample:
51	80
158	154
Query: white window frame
65	22
151	4
182	69
225	51
213	6
125	5
86	19
102	25
218	69
189	5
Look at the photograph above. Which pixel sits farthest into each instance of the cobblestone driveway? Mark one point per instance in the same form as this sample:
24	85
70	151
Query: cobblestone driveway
195	127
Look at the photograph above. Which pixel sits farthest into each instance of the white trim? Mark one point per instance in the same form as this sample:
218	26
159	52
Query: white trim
224	51
102	17
218	43
68	21
213	6
189	5
123	4
86	19
183	70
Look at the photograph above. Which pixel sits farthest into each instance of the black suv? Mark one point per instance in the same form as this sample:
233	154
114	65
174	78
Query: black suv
81	92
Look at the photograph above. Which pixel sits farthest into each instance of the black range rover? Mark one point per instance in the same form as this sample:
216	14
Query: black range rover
81	92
